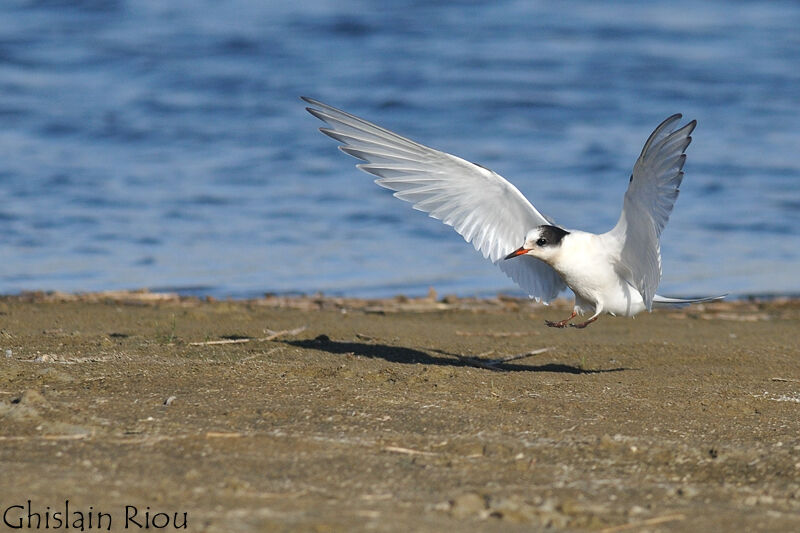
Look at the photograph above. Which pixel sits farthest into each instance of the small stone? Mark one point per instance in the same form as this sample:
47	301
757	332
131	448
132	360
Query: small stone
192	474
607	442
512	510
32	397
466	505
637	510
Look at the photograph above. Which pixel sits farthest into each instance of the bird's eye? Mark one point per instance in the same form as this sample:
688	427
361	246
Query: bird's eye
541	242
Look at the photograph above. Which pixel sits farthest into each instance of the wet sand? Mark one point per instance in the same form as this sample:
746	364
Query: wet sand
319	414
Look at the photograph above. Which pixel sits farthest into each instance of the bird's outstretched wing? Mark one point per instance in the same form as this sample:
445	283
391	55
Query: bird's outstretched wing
651	194
479	204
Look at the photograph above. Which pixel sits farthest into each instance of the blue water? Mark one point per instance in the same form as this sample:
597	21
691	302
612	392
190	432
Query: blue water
161	144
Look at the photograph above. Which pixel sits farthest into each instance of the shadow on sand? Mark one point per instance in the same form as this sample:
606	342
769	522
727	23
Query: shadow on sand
399	354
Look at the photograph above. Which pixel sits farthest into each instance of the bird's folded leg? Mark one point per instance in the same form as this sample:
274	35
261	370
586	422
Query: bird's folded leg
561	323
584	324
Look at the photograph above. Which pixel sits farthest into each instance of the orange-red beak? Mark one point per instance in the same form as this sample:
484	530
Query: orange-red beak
518	251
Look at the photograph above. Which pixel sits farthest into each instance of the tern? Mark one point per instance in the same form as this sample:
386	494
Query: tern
616	272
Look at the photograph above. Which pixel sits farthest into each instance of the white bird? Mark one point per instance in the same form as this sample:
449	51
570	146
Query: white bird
616	272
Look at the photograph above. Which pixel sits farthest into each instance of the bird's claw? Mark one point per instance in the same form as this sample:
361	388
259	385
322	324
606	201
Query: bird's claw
584	324
561	323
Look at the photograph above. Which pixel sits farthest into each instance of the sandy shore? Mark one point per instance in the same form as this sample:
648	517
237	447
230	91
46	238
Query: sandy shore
321	414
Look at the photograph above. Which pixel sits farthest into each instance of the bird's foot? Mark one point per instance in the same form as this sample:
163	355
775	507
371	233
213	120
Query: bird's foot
583	324
561	323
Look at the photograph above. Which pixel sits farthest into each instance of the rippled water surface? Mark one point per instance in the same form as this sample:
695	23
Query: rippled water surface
162	144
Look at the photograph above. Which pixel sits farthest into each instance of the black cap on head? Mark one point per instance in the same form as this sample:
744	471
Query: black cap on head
552	234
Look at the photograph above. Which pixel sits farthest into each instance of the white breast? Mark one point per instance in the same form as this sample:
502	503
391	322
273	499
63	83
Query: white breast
587	265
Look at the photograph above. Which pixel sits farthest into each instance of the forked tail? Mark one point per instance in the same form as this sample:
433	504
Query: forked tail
663	300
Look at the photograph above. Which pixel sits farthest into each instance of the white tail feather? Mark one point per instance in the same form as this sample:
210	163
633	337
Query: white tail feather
663	300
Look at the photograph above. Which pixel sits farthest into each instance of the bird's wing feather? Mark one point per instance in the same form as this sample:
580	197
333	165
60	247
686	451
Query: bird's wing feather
479	204
651	194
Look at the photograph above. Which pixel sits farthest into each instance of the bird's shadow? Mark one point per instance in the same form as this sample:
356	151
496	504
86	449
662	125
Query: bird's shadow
400	354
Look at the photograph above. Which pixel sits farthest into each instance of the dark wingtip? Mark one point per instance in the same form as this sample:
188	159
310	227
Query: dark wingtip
317	113
313	102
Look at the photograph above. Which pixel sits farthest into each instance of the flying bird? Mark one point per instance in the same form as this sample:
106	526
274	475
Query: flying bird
616	272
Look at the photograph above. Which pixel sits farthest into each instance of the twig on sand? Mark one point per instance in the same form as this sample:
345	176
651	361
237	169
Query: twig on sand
223	435
248	358
790	380
649	522
407	451
491	364
493	333
275	334
74	436
272	336
223	341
